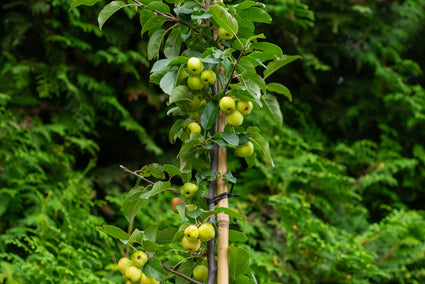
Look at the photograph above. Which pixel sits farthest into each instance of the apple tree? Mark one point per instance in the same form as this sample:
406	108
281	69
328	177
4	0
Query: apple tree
215	70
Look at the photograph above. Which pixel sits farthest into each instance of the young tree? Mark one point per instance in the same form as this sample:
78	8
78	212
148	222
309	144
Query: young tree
215	70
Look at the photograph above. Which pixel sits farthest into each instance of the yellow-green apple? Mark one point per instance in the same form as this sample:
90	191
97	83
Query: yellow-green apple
206	232
235	118
227	104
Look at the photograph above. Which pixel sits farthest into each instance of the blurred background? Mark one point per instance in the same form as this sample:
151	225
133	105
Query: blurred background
344	203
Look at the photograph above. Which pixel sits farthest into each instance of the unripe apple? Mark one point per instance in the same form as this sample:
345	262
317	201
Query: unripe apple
189	190
146	280
123	264
194	127
206	232
176	201
195	66
200	273
133	273
227	104
223	34
190	245
245	150
194	83
234	118
191	232
208	77
139	259
245	107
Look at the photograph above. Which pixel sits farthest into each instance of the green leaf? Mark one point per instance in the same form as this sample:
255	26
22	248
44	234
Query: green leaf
181	208
271	108
150	21
275	65
209	115
160	64
236	236
77	3
230	138
245	5
178	60
151	246
168	82
268	47
260	143
255	14
223	19
171	170
153	269
172	44
159	6
238	261
154	170
114	232
280	89
166	236
180	94
231	213
132	203
150	233
175	130
244	279
108	11
136	237
185	268
154	44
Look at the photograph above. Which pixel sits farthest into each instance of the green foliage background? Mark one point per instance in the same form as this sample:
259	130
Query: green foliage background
343	204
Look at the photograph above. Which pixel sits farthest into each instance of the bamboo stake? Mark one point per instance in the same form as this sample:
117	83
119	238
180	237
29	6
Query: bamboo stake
222	219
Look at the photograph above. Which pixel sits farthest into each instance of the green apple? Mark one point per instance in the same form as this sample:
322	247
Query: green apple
189	190
206	232
174	202
227	104
190	245
146	280
139	259
245	150
191	232
244	107
194	127
133	273
194	83
195	66
123	264
208	77
223	34
234	118
200	273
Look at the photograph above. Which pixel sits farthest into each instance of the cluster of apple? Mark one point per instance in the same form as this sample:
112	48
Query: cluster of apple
234	117
197	75
132	269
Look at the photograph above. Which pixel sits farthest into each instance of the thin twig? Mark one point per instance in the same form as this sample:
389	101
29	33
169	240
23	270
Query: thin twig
181	275
233	70
136	174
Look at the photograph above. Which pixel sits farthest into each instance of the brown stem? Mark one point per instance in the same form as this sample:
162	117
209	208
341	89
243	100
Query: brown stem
181	275
136	174
234	69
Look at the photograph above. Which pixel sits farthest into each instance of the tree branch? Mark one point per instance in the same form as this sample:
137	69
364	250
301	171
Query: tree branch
136	174
181	275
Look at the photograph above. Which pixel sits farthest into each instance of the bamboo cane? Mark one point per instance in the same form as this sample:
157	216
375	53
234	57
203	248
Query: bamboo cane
222	219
